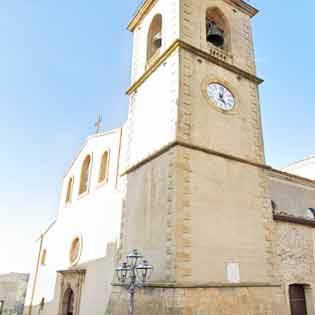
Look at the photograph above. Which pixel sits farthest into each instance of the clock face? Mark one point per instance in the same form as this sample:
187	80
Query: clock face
221	96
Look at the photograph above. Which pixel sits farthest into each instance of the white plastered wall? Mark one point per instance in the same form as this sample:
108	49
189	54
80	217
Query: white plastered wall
169	9
96	218
153	112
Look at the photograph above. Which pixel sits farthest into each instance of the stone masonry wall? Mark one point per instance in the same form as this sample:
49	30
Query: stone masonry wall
294	253
201	301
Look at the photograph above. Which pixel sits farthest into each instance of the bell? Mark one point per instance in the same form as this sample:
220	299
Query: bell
215	35
157	40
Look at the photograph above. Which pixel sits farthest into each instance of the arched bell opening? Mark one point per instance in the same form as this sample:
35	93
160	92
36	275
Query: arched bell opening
68	302
217	29
155	38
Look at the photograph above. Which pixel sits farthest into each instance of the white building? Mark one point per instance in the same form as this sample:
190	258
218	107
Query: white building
79	246
304	168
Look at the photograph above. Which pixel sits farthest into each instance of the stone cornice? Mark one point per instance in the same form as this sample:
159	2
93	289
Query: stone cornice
165	285
292	219
271	171
291	178
72	271
181	44
147	5
173	144
142	11
243	6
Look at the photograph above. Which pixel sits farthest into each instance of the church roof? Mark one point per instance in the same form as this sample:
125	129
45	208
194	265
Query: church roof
91	137
304	168
301	163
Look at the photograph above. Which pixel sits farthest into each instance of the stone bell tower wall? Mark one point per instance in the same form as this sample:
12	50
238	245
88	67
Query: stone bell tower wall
223	217
215	300
197	198
149	214
201	124
239	37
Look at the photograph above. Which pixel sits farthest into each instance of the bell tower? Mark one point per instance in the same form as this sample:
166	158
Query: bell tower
197	197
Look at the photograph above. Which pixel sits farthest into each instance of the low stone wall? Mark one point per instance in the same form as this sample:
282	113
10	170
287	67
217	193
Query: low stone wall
224	300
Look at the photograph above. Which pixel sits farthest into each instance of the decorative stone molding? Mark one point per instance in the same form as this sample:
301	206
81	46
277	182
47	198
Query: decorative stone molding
184	221
284	217
171	217
206	55
71	280
169	146
268	224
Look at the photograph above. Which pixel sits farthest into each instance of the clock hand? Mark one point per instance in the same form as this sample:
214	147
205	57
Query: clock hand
222	92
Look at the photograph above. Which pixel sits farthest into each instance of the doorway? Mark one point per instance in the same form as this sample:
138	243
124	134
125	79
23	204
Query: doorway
297	299
68	302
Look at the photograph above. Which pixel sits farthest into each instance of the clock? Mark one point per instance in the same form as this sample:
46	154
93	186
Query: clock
221	96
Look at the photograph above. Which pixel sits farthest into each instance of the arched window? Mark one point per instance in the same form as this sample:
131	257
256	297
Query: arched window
154	37
85	175
43	257
68	303
69	190
217	28
104	167
75	250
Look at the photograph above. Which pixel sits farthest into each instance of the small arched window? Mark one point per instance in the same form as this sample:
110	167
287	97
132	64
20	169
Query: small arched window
75	250
69	190
85	175
154	37
216	28
43	257
104	167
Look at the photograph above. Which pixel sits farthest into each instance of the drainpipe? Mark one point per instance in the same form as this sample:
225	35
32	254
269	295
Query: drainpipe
36	274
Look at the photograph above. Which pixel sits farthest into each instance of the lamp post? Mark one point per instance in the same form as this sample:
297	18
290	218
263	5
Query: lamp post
133	274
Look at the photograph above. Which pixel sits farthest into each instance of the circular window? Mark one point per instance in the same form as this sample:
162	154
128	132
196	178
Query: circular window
75	250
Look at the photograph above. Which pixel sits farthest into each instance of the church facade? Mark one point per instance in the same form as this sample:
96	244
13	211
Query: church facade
184	181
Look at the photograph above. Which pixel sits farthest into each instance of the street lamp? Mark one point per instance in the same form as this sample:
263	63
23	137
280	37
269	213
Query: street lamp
133	274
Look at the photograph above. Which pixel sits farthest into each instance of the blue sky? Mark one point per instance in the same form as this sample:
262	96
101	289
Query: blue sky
64	62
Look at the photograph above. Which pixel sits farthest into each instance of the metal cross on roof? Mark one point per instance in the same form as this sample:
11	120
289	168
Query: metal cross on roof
98	123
